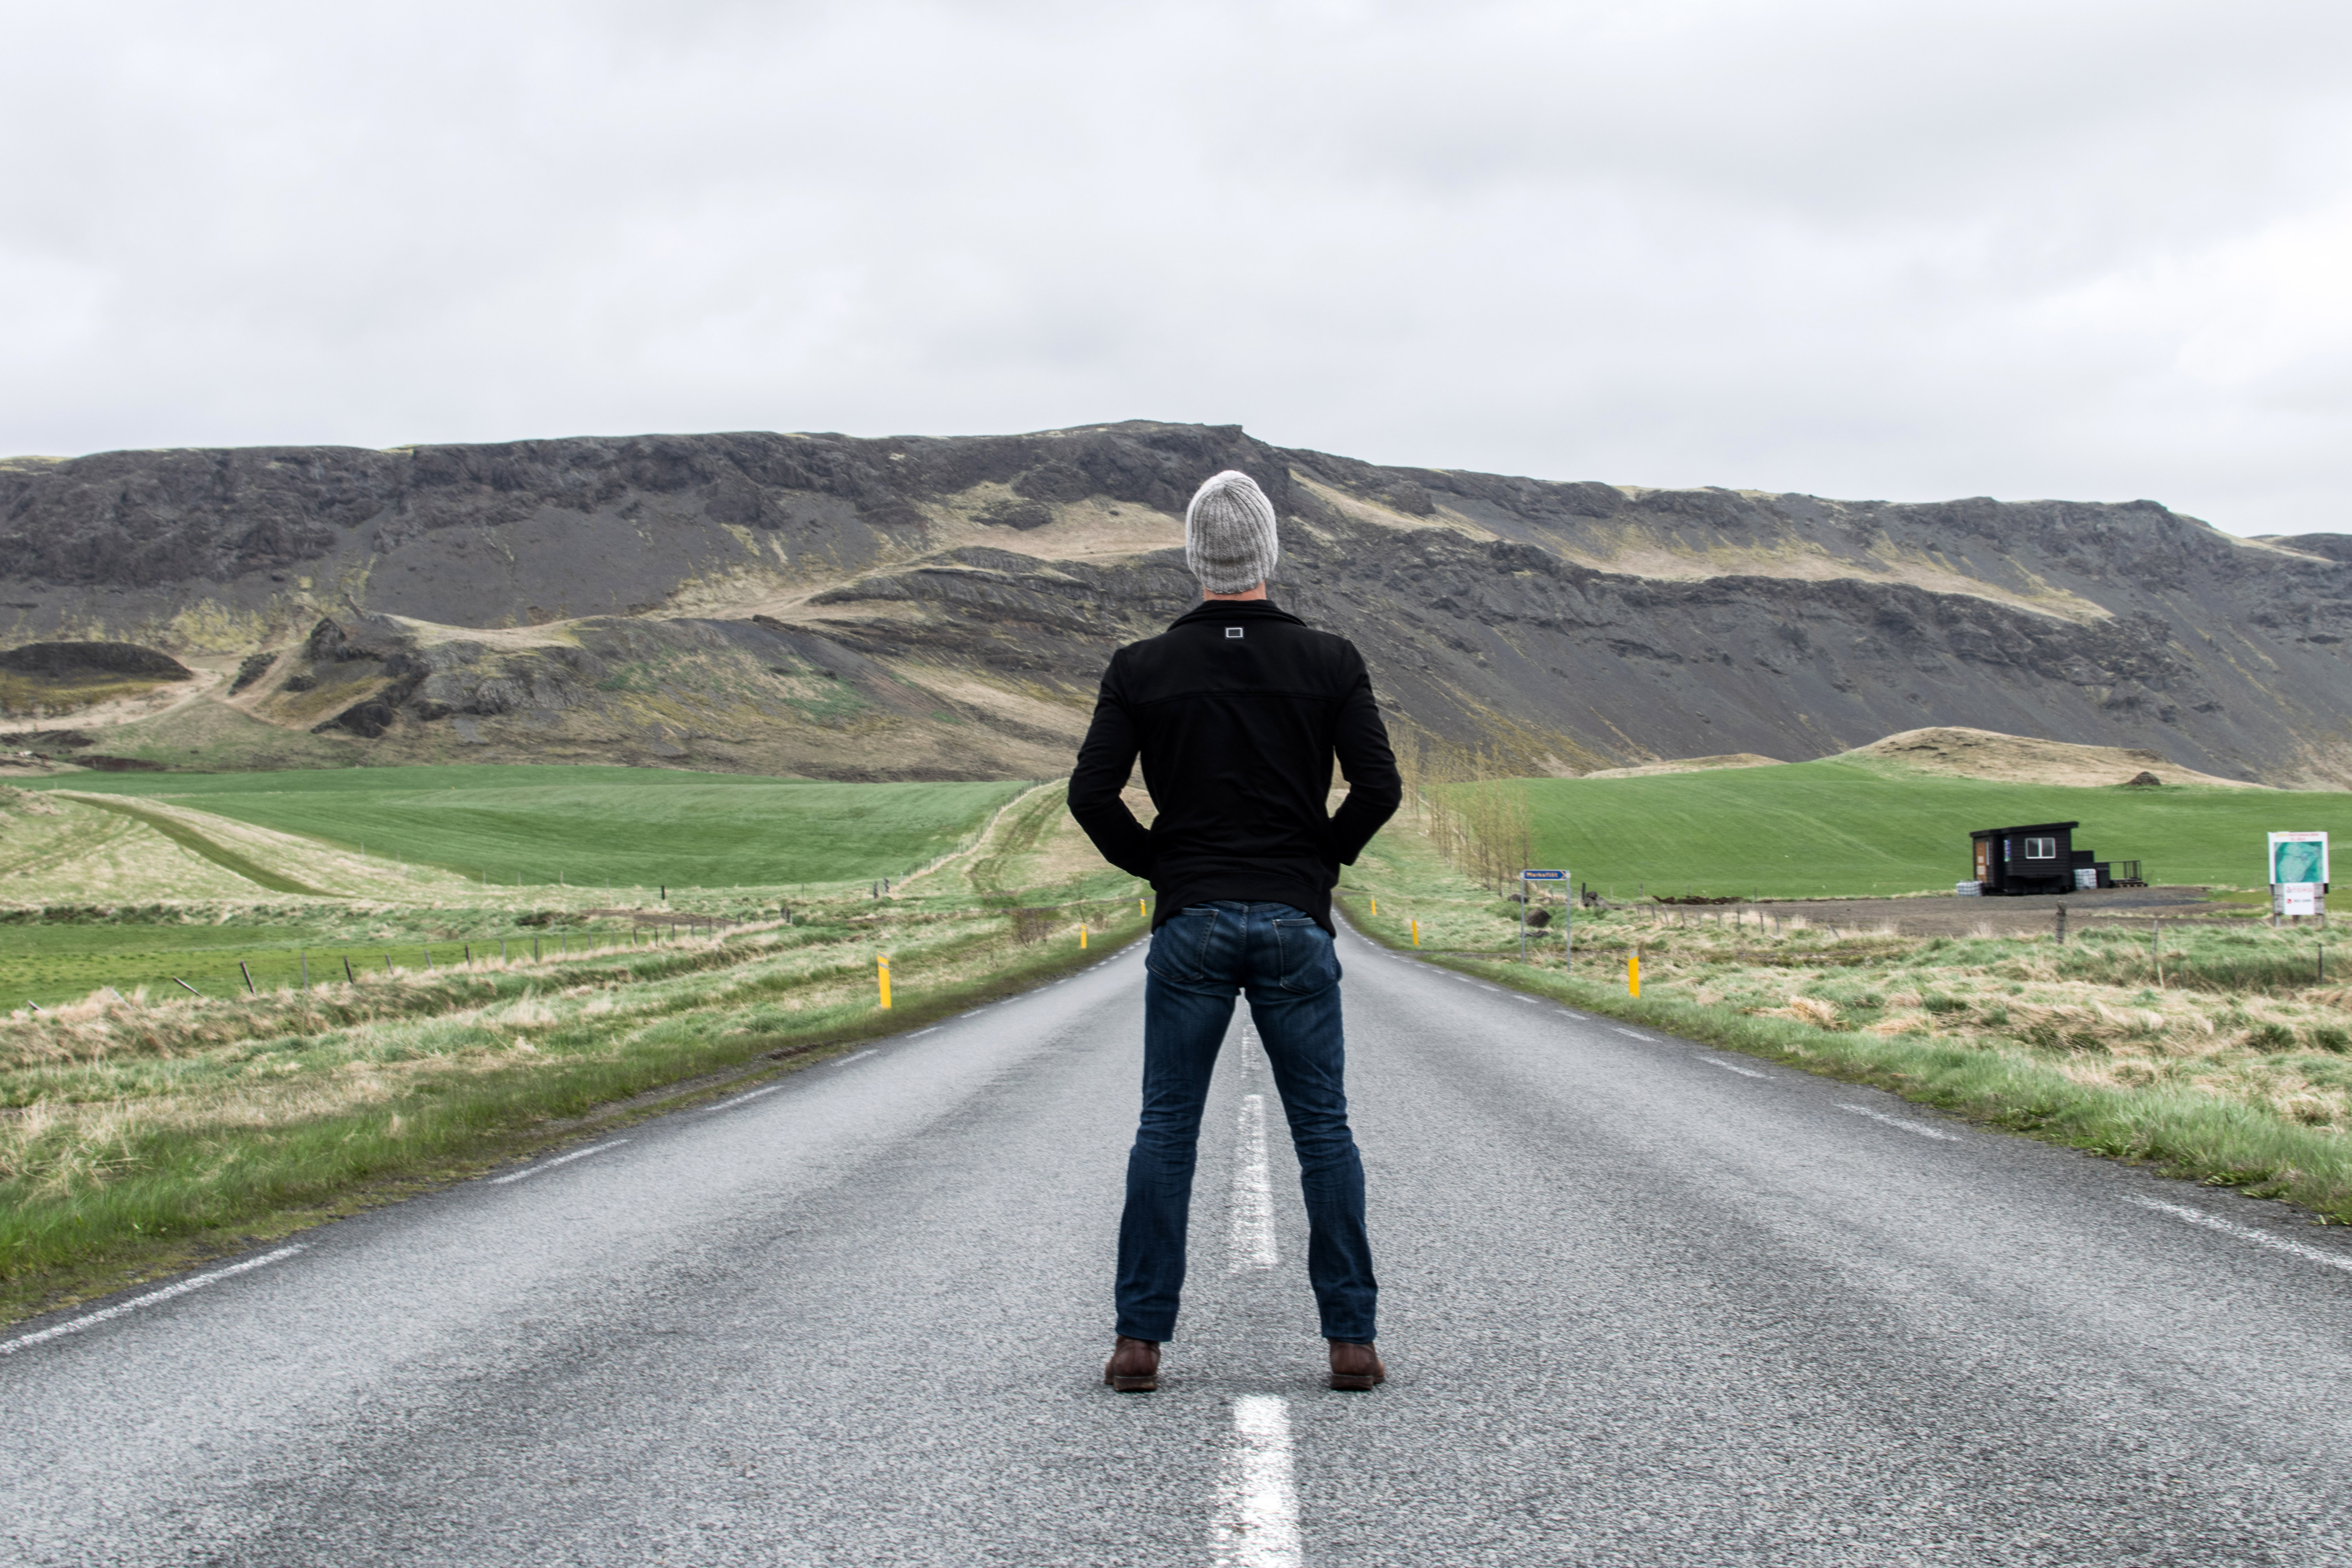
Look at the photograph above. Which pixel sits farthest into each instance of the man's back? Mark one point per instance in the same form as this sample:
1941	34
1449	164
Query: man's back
1237	711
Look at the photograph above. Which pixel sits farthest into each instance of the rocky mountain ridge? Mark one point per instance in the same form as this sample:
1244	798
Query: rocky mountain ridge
942	607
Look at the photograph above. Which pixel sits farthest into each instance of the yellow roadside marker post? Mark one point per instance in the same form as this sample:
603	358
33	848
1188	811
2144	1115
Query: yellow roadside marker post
1139	911
882	970
1082	936
1633	974
1376	909
1416	933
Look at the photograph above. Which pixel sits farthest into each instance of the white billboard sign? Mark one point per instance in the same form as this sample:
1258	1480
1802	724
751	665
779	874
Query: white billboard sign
2298	857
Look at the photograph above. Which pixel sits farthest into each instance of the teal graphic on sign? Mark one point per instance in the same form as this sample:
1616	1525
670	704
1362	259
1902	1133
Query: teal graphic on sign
2298	857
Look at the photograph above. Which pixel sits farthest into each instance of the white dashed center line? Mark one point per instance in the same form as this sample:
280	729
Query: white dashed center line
1251	1243
1730	1066
2246	1233
1257	1512
60	1330
1921	1128
530	1170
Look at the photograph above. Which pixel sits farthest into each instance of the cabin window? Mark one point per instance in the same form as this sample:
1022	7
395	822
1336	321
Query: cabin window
2041	849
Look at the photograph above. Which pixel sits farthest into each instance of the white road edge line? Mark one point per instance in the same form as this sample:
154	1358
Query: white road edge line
2245	1233
738	1100
1921	1128
1257	1512
1636	1035
920	1032
1250	1244
1731	1067
530	1171
59	1331
854	1057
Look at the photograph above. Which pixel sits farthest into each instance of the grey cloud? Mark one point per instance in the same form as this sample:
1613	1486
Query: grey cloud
1907	251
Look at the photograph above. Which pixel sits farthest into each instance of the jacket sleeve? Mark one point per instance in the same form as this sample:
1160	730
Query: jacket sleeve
1105	759
1374	789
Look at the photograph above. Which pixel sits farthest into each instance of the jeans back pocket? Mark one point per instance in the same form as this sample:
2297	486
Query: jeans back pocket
1180	949
1306	956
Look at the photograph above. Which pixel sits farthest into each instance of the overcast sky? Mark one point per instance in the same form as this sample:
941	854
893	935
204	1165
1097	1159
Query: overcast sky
1865	249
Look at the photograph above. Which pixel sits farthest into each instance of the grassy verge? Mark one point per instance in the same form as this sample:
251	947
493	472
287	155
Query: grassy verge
2224	1057
136	1138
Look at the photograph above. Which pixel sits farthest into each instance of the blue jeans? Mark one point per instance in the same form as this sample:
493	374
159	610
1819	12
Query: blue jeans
1286	962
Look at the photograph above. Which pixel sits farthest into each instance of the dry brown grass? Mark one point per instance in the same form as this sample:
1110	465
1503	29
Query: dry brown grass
2022	759
95	1083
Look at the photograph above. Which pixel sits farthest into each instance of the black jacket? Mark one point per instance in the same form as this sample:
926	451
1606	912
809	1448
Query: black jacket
1238	709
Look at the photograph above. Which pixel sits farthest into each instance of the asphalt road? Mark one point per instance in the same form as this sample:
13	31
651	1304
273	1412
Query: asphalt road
1645	1303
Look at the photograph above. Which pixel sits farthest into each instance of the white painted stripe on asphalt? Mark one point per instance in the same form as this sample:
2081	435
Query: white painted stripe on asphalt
1257	1512
753	1094
1637	1035
2246	1233
1529	1000
60	1330
1251	1242
1921	1128
1730	1066
530	1170
920	1032
854	1057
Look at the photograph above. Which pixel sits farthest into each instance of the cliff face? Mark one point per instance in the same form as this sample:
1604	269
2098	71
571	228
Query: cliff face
942	607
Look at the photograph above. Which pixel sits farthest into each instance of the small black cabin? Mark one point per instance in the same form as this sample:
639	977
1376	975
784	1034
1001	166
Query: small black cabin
2038	857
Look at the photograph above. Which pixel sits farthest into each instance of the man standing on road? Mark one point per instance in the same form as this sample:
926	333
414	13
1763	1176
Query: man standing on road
1238	709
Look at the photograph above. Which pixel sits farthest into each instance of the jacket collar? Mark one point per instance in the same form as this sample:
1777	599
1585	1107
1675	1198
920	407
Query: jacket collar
1226	611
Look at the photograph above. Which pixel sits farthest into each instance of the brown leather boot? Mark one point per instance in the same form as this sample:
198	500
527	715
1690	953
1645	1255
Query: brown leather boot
1356	1368
1134	1367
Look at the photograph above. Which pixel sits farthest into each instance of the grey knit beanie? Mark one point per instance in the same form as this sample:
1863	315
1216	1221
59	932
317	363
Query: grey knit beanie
1229	540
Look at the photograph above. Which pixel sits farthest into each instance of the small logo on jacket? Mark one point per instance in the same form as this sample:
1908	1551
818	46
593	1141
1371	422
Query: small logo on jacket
1232	631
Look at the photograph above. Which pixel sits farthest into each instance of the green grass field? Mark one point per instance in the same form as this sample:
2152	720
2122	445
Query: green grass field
1838	829
587	826
156	954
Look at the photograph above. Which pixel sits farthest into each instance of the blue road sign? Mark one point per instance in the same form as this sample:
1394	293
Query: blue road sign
1543	876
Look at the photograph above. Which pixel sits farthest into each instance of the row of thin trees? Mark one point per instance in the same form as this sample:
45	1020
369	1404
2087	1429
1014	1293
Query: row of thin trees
1466	800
